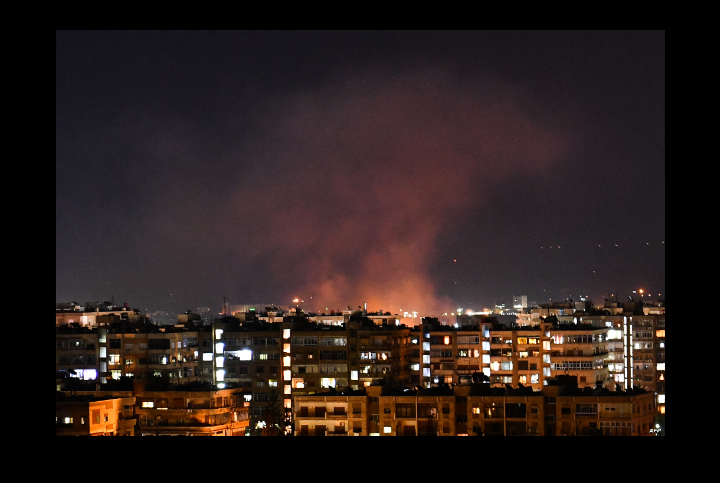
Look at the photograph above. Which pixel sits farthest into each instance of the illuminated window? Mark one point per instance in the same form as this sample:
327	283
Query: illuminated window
662	409
245	355
207	356
522	340
523	354
354	375
662	345
298	383
220	374
534	378
286	333
476	410
287	361
219	361
387	430
218	334
426	346
661	398
219	348
272	383
68	420
426	359
447	340
148	404
415	367
426	372
522	379
495	366
660	366
287	389
476	353
546	345
327	382
660	333
546	372
486	358
286	348
287	375
486	345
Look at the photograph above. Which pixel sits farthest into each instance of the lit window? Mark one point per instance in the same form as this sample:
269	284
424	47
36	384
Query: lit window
327	382
447	340
486	358
287	389
426	359
660	333
534	378
218	334
476	410
207	356
286	333
148	404
286	361
546	345
660	366
426	346
354	375
68	420
245	355
661	398
662	345
286	348
387	430
219	361
486	345
287	375
426	372
220	374
219	348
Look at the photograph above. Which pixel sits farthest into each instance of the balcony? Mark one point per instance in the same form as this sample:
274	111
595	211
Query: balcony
336	416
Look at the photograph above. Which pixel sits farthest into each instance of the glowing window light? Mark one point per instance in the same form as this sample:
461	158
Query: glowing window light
219	348
220	375
219	361
286	333
286	361
287	375
218	334
207	356
387	430
245	355
447	340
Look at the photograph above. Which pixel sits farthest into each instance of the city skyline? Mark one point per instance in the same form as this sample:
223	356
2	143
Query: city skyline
407	170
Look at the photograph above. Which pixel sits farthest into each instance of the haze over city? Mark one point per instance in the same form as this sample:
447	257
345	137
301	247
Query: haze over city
412	171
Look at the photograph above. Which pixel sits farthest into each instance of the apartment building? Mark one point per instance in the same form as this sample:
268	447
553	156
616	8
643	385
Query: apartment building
195	409
647	351
298	357
560	409
526	355
88	415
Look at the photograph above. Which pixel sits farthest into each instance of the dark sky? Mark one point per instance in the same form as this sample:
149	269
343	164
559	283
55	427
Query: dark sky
356	167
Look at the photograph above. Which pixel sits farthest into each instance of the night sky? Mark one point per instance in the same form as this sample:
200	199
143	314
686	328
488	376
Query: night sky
414	171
